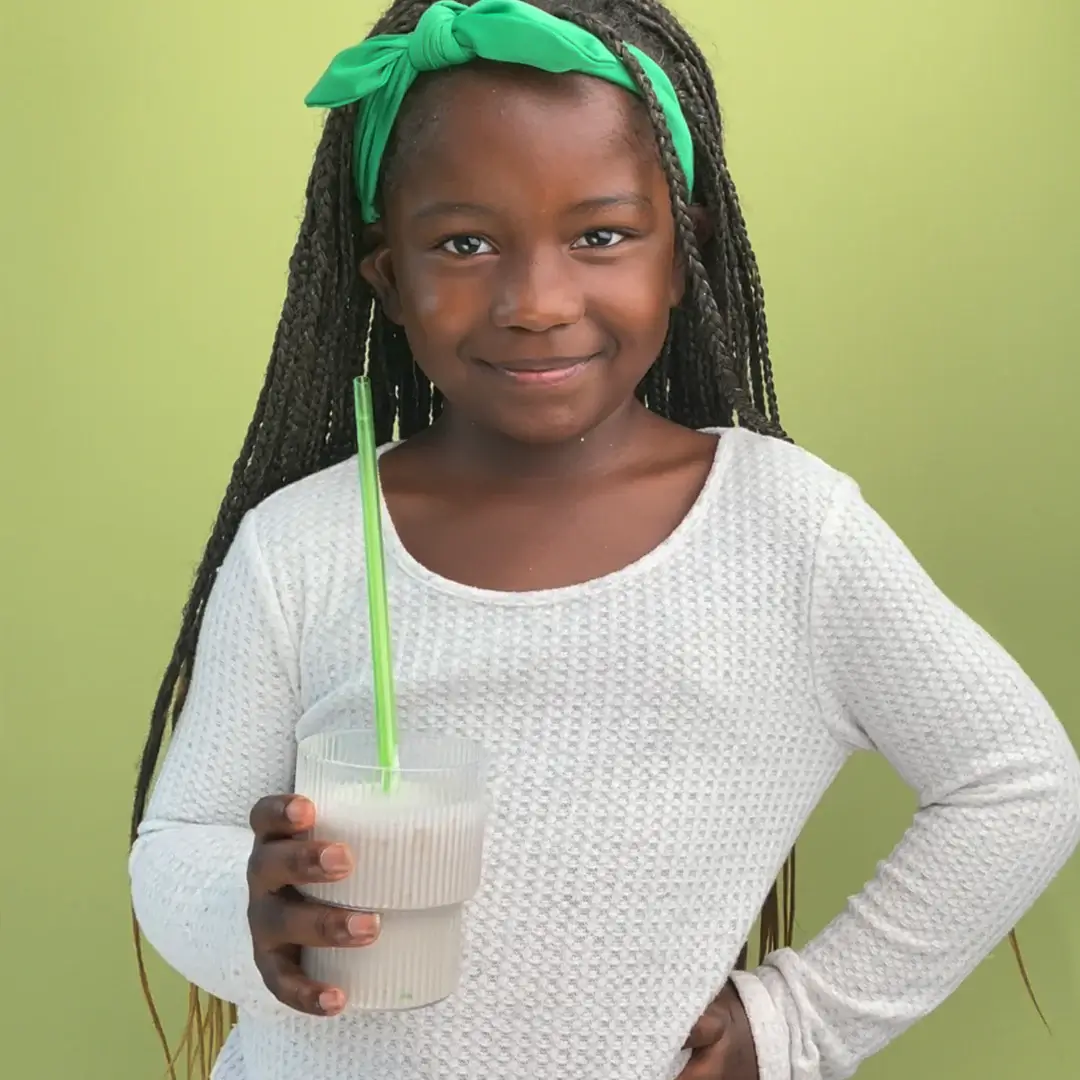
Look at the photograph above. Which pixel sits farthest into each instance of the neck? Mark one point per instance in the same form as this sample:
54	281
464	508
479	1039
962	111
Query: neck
465	445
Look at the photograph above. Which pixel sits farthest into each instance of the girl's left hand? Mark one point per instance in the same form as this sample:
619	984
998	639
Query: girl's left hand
721	1041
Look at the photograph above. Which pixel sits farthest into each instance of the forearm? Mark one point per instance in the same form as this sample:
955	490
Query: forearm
190	895
963	875
901	670
234	744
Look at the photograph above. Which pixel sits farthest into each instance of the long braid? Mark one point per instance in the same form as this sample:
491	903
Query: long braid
699	101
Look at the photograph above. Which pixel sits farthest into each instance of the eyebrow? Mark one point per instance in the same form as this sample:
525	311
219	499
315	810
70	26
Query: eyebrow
616	200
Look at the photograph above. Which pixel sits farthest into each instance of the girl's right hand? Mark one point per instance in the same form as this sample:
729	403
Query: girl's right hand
282	921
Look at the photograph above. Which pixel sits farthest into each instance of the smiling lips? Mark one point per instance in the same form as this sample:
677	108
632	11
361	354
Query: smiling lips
542	372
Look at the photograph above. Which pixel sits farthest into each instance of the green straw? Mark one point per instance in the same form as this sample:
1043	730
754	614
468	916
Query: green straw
381	656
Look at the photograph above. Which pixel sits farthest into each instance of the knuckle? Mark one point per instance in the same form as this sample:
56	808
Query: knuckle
258	815
256	864
299	993
267	919
298	862
264	962
307	998
255	921
269	814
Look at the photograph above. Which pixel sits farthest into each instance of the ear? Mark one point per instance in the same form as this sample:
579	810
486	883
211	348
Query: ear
703	224
377	269
703	232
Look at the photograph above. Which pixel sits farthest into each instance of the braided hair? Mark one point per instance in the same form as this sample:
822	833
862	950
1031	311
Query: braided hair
714	368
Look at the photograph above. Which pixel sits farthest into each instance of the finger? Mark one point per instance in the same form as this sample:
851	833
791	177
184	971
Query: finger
710	1029
288	919
708	1064
277	863
277	817
284	977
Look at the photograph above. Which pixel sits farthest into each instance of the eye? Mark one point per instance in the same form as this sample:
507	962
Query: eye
465	246
601	238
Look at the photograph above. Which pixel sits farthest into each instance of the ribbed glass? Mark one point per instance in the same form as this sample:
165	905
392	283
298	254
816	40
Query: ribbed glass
418	846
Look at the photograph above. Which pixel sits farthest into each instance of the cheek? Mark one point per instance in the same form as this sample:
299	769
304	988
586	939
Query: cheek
429	302
638	297
444	315
437	301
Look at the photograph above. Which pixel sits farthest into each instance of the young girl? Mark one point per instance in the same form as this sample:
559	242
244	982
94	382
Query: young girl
668	625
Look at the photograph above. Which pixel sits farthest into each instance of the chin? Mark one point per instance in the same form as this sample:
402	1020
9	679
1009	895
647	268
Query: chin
546	427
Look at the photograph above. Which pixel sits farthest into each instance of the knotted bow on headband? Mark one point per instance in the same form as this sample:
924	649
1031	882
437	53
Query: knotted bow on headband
380	70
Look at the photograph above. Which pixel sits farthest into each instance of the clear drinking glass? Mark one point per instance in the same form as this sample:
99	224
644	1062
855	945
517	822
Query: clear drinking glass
417	839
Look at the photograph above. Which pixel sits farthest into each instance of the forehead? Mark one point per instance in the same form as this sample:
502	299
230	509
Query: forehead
485	128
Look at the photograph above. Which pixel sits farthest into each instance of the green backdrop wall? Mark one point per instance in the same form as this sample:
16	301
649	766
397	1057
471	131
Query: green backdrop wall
909	173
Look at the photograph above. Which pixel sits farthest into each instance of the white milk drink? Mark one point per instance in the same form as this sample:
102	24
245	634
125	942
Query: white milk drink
417	843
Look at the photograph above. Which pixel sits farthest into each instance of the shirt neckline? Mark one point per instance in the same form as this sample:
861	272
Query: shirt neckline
660	554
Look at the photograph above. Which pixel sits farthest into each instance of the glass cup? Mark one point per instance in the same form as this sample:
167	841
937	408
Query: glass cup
417	840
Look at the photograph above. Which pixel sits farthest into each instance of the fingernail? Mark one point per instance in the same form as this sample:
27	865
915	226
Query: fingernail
335	860
363	927
331	1000
296	810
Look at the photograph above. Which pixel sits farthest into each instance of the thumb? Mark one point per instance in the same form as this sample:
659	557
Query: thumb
709	1029
708	1064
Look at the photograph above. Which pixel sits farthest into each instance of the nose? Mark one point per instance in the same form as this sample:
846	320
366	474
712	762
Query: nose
537	292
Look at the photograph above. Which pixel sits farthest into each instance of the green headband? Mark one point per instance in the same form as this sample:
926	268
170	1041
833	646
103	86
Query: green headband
380	70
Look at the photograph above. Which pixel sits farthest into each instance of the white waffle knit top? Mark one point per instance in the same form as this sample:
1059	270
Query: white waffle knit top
659	737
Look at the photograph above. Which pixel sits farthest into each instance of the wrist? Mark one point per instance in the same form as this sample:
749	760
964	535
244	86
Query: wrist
766	1026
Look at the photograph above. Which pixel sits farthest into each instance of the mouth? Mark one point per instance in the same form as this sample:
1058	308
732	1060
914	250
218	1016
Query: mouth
537	372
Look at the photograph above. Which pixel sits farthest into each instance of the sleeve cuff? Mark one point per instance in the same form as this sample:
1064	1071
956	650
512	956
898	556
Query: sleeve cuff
767	1025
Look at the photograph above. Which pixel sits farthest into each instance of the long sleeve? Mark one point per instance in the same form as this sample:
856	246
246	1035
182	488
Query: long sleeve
233	744
898	669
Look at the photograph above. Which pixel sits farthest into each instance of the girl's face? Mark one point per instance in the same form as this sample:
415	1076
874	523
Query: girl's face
527	248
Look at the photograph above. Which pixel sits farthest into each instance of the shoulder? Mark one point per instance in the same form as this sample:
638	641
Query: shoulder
794	497
319	499
777	480
306	540
764	509
776	458
303	523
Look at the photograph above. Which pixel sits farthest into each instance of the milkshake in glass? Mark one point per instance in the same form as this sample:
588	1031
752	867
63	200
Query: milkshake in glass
417	839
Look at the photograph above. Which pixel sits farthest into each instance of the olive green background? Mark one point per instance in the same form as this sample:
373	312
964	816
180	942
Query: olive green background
909	174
